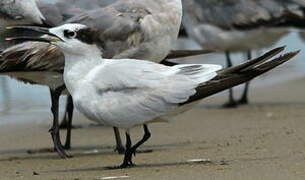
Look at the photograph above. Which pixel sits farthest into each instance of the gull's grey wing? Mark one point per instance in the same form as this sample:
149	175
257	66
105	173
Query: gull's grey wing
52	13
159	90
124	28
117	26
86	5
8	10
248	14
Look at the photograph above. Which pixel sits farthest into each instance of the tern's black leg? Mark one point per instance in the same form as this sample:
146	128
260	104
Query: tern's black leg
119	146
244	98
132	150
55	128
231	103
69	110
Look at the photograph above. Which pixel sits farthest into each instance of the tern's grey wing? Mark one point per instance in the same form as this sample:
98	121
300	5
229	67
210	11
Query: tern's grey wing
229	14
118	28
159	90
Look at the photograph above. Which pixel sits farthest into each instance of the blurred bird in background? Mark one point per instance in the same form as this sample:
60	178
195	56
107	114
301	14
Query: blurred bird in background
241	26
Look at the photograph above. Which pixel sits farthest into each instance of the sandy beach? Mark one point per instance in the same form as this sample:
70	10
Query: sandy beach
265	140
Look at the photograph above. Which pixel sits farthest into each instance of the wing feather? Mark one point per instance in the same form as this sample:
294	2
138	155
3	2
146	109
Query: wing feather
144	89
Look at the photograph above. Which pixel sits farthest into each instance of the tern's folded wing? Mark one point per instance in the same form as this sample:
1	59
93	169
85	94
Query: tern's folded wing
144	89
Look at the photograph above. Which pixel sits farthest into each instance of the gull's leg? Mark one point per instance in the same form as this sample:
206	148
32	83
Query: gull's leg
132	150
55	128
119	147
244	98
231	103
69	109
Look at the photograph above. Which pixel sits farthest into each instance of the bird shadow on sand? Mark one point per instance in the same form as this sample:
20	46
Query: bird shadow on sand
206	162
169	164
79	151
254	105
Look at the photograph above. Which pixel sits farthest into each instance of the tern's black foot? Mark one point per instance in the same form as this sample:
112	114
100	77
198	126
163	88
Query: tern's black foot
122	166
120	149
127	165
243	101
67	147
230	104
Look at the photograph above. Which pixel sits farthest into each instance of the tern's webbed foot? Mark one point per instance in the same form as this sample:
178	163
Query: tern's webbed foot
243	101
230	104
120	149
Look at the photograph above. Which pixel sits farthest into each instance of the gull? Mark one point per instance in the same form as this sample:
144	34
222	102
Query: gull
16	12
125	29
110	91
240	26
31	12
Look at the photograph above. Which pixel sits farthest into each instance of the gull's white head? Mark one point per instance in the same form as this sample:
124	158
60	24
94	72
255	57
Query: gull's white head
76	39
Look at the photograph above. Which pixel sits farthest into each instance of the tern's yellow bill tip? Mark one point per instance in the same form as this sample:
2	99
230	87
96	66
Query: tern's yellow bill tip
8	39
8	27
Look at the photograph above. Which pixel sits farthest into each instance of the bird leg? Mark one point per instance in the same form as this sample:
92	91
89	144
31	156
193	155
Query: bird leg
65	120
119	146
244	98
131	150
54	131
69	110
231	103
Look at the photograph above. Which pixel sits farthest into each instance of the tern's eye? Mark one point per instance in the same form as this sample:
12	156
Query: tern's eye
69	34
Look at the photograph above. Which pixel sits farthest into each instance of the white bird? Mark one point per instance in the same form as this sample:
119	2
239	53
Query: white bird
240	26
126	29
110	91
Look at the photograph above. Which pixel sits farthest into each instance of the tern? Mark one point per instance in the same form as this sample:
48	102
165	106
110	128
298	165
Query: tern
110	91
125	29
240	26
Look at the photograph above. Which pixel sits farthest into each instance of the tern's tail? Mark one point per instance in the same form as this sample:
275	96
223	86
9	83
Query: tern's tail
229	77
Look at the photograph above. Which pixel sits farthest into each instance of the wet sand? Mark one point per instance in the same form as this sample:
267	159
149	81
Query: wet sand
265	140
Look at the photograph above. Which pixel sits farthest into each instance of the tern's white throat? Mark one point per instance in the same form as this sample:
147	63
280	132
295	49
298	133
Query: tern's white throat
78	65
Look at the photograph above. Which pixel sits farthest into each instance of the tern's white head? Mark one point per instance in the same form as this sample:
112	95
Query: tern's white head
72	39
75	39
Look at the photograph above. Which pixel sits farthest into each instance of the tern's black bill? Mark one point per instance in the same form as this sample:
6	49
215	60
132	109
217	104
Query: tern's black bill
32	28
40	39
50	37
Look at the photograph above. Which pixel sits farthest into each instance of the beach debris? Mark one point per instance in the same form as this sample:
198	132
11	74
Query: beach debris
94	151
111	177
223	162
35	173
201	161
